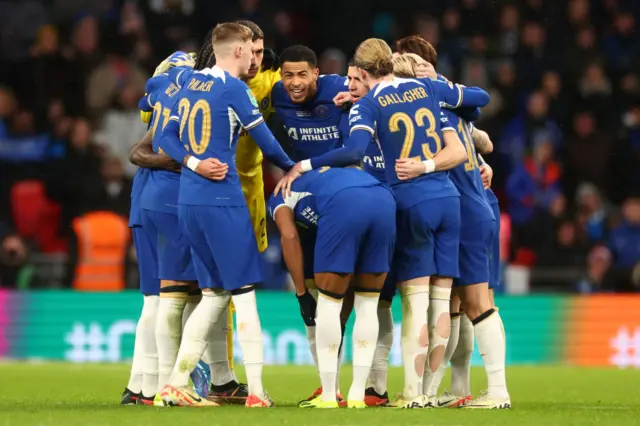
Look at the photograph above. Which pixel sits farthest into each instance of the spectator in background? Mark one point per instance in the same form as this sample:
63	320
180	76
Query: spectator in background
519	135
509	38
532	57
592	213
77	169
567	251
624	240
622	46
13	255
474	66
598	277
82	56
114	191
588	154
534	183
552	87
595	92
583	51
333	61
112	75
121	127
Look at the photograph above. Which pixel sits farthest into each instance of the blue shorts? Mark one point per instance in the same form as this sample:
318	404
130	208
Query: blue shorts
147	255
475	240
428	239
174	251
494	250
223	245
356	232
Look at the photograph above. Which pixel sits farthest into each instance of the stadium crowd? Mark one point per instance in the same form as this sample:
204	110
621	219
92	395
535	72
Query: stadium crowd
564	115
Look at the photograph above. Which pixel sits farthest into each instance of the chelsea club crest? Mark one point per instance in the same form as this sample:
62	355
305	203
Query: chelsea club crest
322	111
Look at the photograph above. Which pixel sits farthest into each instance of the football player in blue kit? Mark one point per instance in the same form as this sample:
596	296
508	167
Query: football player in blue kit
477	232
303	101
212	109
354	240
460	347
399	113
144	371
160	218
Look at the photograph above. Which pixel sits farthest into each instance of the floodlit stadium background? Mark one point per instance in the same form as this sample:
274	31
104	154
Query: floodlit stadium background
564	118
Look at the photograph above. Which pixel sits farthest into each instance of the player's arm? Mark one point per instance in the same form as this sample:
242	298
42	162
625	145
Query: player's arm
452	155
210	168
291	247
361	130
142	155
481	141
245	106
454	96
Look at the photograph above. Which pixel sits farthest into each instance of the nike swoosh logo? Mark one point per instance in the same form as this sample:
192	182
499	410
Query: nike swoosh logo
440	404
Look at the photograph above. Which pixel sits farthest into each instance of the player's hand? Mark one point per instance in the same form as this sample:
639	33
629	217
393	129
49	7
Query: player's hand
212	168
486	173
285	183
307	308
425	70
176	59
409	168
342	98
270	61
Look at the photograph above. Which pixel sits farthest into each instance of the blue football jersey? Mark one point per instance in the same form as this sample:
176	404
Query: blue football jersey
212	108
404	116
312	127
302	204
474	207
323	184
163	186
137	189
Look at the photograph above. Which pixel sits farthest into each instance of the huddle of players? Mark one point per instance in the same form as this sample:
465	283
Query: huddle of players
355	227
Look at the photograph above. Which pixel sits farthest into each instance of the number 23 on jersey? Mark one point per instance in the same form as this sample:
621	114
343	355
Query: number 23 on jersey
422	118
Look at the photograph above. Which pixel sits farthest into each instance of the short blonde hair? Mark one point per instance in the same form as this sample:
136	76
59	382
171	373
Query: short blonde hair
374	56
405	65
230	32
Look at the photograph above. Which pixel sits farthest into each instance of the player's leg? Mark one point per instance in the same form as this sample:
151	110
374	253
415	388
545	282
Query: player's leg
376	393
233	245
144	370
335	256
175	270
197	329
377	207
447	240
414	263
489	334
461	359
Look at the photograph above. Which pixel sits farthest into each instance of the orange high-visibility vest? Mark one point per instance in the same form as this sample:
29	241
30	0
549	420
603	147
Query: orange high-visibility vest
102	243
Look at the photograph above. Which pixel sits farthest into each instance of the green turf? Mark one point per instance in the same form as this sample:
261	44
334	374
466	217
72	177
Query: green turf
88	395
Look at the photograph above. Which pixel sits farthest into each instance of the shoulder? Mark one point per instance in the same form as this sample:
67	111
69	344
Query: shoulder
331	84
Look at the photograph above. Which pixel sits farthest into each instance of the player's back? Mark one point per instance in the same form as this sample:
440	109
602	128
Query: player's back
326	182
407	124
163	186
209	128
474	207
312	127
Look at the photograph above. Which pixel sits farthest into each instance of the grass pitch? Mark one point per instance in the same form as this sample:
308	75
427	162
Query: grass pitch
88	395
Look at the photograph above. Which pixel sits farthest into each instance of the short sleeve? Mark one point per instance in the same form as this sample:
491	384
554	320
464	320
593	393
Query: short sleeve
362	116
244	104
178	75
448	120
274	203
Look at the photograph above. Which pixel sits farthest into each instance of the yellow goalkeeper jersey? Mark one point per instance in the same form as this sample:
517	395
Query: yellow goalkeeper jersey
249	157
